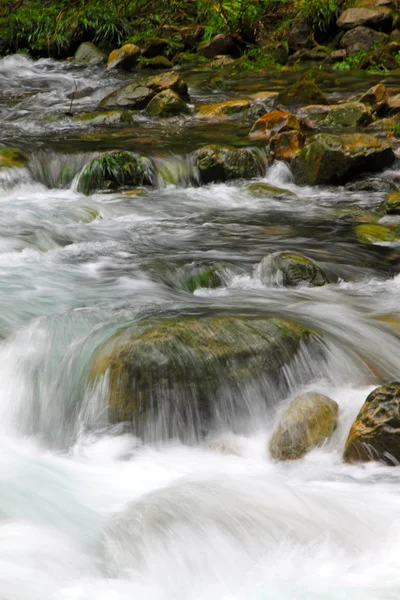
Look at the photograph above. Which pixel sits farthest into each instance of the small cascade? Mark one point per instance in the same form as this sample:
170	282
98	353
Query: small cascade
58	170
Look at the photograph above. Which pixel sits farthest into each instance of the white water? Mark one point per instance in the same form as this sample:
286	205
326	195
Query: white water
89	511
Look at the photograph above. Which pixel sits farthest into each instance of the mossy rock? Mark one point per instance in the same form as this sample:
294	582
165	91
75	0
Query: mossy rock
301	94
189	60
309	421
262	190
336	159
169	374
124	58
220	163
370	233
157	62
112	171
167	104
319	77
203	278
220	110
89	54
286	145
276	121
291	269
102	118
392	203
375	434
349	114
12	157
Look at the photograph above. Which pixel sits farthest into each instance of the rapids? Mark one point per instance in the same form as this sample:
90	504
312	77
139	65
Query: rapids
87	510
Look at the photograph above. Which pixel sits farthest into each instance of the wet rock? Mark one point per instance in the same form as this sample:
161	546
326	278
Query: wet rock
392	203
203	278
137	95
349	114
380	18
393	104
262	190
112	171
114	117
319	77
291	269
370	233
274	122
315	113
339	158
221	110
372	184
285	145
375	434
12	157
220	62
309	421
376	97
219	163
167	104
124	58
89	54
361	39
170	373
300	94
158	63
385	125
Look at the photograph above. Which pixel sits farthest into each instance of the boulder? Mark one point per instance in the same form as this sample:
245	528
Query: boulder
219	163
299	34
375	434
336	159
349	114
223	43
88	54
309	421
285	145
380	18
376	97
300	94
274	122
172	373
361	39
263	190
222	110
158	63
372	233
393	104
291	269
155	46
192	35
392	203
112	171
124	58
137	95
315	114
167	104
12	158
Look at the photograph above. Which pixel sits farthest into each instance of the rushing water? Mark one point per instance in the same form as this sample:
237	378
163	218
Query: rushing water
89	511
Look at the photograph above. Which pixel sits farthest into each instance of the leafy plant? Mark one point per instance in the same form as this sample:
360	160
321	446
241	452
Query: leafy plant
322	13
350	62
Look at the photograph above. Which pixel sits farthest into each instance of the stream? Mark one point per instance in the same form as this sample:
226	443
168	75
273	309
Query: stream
89	511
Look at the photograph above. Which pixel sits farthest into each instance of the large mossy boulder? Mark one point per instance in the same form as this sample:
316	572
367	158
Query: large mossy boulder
167	104
12	157
380	18
89	54
300	94
336	159
172	373
112	171
220	163
361	39
349	114
375	434
276	121
392	203
309	421
124	58
137	95
291	269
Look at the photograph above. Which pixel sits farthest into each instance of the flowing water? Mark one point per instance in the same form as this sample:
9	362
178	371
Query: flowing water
87	510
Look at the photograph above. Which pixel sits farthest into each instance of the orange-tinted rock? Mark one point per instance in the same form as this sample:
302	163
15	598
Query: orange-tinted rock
123	58
376	97
274	122
285	145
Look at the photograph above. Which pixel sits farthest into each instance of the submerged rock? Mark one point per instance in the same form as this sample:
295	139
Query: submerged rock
309	421
157	63
300	94
112	171
291	269
349	114
172	372
375	434
203	277
274	122
372	233
167	104
261	190
123	58
339	158
102	118
371	184
219	163
89	54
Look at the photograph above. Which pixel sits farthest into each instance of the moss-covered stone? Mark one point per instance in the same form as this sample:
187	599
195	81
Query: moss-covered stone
262	190
89	54
339	158
375	434
291	269
349	114
203	278
309	421
123	58
12	157
112	171
171	372
300	94
222	110
189	60
157	62
167	104
219	163
274	122
370	233
392	203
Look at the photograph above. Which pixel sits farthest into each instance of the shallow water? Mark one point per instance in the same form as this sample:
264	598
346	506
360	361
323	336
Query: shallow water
89	511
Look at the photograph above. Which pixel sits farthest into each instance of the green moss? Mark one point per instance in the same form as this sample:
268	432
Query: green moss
370	233
260	190
112	171
208	278
12	157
